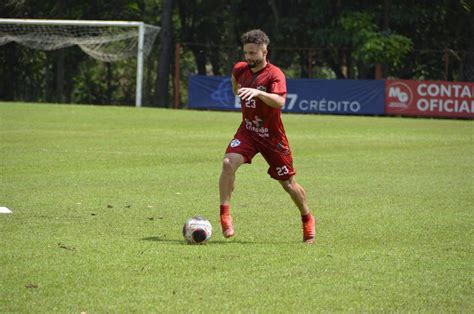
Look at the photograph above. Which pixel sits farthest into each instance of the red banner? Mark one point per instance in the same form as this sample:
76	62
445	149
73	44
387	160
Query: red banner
429	98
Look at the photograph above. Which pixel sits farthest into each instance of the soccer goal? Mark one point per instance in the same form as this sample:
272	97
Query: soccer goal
107	41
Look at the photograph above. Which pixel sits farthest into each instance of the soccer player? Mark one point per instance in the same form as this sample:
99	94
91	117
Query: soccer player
261	87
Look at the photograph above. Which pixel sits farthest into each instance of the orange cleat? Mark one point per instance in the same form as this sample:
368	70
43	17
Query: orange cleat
227	227
309	230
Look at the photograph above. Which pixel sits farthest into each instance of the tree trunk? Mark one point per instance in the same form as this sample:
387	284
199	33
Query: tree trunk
382	70
149	69
161	98
303	63
59	55
215	62
276	24
200	57
467	65
335	61
108	99
60	76
9	88
49	91
350	69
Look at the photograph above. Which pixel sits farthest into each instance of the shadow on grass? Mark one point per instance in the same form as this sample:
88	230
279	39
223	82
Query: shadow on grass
215	242
159	239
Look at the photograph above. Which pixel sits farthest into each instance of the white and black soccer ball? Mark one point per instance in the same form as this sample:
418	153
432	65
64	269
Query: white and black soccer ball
197	230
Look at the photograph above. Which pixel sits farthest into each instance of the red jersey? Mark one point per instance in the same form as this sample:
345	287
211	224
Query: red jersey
262	121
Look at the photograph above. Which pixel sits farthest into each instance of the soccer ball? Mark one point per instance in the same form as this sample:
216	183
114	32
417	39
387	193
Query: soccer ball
197	230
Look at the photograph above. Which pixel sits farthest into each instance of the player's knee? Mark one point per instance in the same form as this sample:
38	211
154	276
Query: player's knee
227	166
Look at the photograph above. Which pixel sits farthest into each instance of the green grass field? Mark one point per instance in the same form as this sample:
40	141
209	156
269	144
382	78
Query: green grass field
99	196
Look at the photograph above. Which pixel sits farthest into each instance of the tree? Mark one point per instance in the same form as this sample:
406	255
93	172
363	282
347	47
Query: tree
161	98
324	38
371	46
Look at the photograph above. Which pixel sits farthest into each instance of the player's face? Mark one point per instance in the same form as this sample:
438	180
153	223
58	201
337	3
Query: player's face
255	54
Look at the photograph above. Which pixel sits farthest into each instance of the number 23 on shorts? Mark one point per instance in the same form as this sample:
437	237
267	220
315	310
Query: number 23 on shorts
281	171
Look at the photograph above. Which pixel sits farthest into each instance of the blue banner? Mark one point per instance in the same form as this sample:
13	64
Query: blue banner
211	92
364	97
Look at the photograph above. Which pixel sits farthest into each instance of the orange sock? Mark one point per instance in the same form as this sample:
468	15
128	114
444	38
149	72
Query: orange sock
305	218
225	209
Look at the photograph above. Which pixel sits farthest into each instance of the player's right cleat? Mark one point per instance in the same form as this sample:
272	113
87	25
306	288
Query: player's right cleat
227	227
309	229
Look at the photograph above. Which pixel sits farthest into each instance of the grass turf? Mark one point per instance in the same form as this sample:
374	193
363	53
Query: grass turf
99	196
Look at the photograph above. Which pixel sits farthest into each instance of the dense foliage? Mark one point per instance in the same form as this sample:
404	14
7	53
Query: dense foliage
317	39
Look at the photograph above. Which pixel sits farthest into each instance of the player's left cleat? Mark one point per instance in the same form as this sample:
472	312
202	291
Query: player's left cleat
309	229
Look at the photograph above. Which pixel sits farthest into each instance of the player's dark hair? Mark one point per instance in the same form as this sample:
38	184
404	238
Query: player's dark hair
255	36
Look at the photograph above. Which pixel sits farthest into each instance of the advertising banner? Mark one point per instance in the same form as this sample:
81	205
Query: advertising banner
211	92
359	97
362	97
429	98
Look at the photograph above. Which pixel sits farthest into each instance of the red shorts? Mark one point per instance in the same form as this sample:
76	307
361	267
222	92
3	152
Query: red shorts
277	156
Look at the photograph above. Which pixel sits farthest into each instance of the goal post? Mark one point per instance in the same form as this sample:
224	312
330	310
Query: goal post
107	41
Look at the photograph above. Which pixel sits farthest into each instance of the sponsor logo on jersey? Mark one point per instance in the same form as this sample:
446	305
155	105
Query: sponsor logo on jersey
235	142
256	125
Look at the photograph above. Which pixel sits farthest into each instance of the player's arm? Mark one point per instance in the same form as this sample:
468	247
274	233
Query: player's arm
272	100
234	85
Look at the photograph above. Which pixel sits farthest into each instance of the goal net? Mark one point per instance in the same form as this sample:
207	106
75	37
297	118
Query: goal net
107	41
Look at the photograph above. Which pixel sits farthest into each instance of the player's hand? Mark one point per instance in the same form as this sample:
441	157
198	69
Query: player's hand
246	93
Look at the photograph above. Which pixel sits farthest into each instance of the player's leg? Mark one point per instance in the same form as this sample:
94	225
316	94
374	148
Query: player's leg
240	150
298	195
281	169
230	164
